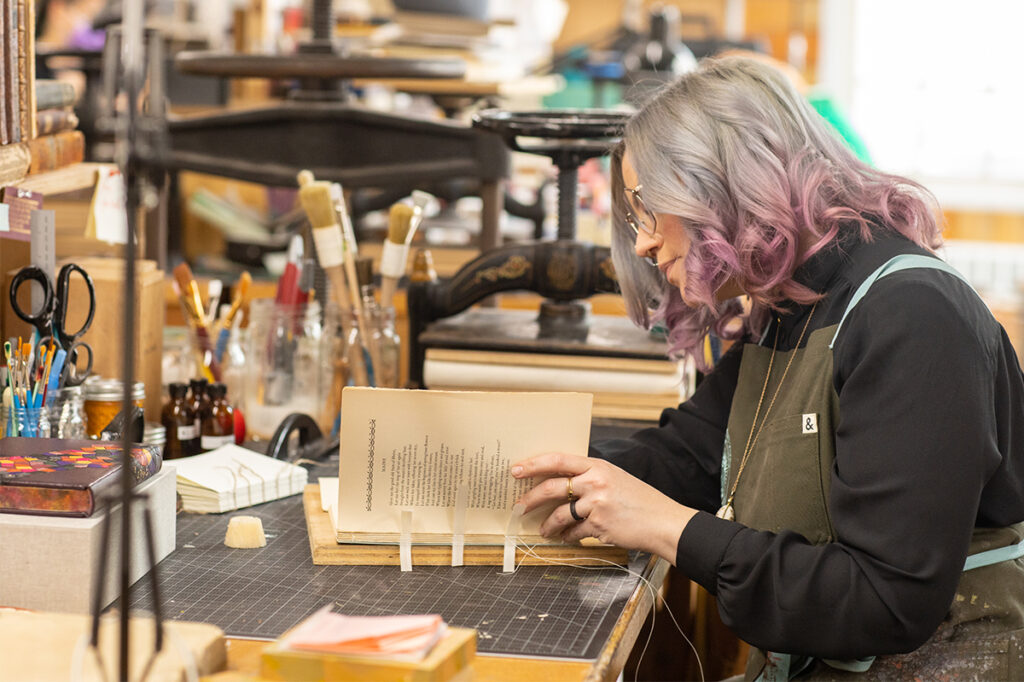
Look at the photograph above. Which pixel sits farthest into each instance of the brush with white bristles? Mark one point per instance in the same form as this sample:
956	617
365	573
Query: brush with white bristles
396	251
319	201
403	219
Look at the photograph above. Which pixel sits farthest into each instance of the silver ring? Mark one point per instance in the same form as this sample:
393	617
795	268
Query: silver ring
572	510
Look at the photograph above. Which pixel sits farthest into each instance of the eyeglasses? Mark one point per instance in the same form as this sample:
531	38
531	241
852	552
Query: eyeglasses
635	207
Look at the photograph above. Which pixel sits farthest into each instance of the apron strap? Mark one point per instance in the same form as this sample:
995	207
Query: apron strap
778	665
895	264
994	556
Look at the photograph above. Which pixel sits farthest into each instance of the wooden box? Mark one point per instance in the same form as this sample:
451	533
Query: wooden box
105	334
49	563
448	661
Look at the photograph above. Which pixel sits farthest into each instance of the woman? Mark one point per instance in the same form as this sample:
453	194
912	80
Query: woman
864	434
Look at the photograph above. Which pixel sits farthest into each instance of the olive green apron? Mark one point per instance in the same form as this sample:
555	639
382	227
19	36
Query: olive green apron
786	487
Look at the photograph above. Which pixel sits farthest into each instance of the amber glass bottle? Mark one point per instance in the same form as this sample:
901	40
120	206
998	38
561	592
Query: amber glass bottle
219	422
179	421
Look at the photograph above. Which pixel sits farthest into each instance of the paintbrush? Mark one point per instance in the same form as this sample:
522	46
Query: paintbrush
327	233
198	323
395	253
213	293
363	313
238	299
319	203
189	287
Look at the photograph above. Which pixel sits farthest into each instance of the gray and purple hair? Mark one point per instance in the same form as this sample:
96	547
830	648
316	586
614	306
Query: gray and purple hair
762	183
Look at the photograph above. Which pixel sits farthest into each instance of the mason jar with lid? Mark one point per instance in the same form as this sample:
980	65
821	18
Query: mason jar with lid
103	402
155	434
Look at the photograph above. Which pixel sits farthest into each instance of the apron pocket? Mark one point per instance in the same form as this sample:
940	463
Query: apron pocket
788	455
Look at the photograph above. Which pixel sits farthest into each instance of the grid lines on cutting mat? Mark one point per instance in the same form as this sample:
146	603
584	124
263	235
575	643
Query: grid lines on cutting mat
539	611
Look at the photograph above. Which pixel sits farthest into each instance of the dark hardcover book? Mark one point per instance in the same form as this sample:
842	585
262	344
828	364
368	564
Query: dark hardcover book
56	477
53	94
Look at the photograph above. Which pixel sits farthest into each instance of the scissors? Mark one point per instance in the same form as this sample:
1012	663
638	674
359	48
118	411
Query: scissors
50	321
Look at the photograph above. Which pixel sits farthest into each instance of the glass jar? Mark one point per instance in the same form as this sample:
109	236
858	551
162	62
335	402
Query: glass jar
103	402
24	422
389	348
234	362
155	434
289	364
381	354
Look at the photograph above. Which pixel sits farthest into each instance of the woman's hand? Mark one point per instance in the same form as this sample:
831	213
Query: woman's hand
616	508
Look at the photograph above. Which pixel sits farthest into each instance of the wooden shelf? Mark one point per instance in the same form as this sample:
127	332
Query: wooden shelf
68	179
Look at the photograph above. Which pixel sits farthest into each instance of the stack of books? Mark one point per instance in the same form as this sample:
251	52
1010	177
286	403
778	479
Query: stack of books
497	46
59	143
17	72
627	370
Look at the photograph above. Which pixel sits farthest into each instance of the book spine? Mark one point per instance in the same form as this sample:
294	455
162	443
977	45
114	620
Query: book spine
145	462
52	94
31	499
50	152
14	163
28	44
24	115
10	64
5	133
49	121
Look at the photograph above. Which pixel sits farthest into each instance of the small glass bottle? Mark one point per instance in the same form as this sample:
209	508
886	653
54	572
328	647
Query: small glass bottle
180	421
199	401
219	425
67	414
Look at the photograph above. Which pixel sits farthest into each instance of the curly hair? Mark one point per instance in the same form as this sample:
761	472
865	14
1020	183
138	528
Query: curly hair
761	183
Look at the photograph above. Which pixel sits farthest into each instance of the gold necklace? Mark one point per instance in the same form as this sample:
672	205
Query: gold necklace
727	512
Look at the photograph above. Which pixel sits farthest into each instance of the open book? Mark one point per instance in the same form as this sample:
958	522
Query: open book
404	450
231	477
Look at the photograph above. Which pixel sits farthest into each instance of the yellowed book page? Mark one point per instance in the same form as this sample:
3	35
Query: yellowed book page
410	450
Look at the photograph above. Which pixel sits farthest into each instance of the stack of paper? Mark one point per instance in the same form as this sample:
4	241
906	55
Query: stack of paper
232	477
408	638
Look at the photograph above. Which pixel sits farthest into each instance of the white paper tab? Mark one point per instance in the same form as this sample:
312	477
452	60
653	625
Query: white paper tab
459	525
511	533
405	541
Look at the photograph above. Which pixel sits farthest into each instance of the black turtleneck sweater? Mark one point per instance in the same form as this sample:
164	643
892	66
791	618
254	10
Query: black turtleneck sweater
929	444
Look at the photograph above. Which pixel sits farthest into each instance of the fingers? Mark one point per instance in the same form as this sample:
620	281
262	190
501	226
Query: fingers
549	490
551	464
561	523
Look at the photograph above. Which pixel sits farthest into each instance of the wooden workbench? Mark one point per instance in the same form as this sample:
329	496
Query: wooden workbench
244	655
205	582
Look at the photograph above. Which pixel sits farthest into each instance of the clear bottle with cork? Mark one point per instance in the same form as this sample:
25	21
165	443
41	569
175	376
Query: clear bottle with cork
219	422
199	401
179	420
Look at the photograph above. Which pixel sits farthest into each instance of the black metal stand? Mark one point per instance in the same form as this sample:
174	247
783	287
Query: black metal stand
139	149
564	270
